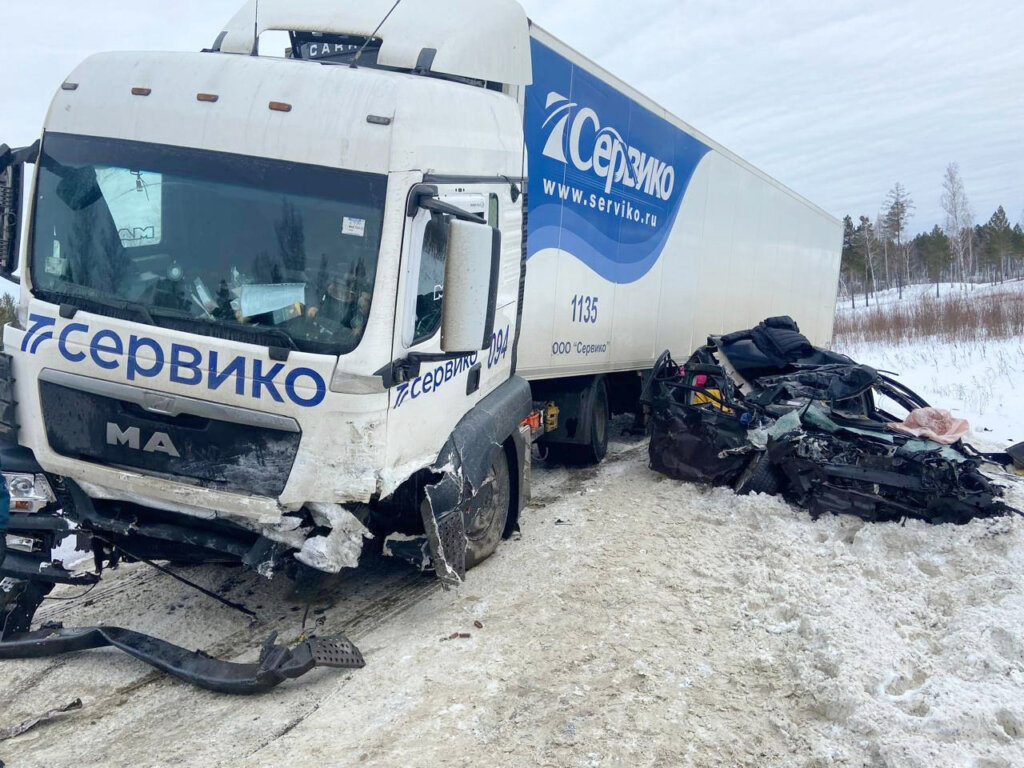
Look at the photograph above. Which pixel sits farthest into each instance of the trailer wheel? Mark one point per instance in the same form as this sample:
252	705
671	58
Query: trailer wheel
595	452
488	512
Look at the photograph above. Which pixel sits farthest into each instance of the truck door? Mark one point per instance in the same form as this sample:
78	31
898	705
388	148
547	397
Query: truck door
426	408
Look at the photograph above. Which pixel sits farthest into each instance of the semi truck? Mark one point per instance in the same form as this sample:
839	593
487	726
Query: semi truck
278	305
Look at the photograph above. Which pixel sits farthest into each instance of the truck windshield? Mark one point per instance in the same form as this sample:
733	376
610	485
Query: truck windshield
238	247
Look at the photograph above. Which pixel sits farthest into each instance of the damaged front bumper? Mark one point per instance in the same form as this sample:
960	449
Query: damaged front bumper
28	574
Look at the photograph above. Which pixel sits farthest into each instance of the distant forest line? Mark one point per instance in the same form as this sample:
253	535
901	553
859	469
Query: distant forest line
881	254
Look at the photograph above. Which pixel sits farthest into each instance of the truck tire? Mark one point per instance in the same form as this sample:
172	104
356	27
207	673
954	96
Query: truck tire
487	513
597	413
597	449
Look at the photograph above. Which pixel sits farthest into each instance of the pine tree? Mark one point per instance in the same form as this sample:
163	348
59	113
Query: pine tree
865	241
1017	248
899	208
851	262
934	251
997	239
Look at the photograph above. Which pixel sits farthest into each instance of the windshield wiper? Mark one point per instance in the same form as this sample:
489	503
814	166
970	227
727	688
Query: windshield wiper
209	327
277	333
77	302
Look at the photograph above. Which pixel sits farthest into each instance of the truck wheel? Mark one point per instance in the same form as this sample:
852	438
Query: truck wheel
488	512
595	452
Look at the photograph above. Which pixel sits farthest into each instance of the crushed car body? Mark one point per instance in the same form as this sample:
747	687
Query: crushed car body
764	411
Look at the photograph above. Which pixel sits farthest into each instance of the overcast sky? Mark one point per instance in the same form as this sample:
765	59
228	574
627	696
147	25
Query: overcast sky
836	99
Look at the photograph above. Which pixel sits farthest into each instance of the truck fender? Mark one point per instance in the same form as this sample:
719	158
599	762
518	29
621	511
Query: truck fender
462	468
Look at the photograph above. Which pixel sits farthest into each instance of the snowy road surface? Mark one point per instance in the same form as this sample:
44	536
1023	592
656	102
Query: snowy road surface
638	621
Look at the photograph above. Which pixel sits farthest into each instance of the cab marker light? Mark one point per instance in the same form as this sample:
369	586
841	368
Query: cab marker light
280	106
378	120
208	97
141	91
66	86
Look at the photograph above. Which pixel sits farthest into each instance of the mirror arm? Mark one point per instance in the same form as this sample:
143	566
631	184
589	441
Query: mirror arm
426	196
9	157
438	206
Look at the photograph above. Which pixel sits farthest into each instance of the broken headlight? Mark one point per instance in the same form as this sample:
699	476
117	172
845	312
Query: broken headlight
29	493
23	543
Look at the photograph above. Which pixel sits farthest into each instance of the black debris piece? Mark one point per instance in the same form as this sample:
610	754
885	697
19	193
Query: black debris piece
276	663
764	411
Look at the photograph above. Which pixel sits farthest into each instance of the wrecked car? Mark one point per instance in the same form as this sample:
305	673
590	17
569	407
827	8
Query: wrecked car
764	411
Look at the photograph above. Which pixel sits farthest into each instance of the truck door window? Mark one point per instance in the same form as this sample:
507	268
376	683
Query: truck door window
430	284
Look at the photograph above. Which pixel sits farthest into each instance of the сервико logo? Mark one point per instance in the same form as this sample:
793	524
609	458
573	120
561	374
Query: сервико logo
608	156
142	357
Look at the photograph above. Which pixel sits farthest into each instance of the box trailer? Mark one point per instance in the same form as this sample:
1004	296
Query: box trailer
276	309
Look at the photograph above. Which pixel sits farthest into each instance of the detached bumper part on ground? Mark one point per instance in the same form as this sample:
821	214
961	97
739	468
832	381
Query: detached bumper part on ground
765	411
276	663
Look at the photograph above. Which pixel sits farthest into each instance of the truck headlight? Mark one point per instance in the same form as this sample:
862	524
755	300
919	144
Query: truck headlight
29	493
23	543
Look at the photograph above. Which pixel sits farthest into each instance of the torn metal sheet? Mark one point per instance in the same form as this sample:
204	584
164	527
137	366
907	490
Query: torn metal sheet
16	730
830	447
445	525
276	663
340	548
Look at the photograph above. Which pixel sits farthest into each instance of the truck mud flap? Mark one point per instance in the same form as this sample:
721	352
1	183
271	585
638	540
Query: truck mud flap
462	468
276	664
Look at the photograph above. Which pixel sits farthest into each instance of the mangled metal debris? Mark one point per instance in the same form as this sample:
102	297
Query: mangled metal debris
12	731
276	663
765	411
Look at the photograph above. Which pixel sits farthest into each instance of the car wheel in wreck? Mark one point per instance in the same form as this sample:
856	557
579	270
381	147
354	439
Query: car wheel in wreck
487	513
760	476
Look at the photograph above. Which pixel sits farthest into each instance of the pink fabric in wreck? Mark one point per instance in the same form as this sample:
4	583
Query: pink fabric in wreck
934	424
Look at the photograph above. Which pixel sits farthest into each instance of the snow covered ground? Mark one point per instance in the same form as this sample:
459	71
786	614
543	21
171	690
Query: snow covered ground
891	297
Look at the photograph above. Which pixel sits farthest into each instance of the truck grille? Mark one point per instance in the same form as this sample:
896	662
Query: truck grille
110	424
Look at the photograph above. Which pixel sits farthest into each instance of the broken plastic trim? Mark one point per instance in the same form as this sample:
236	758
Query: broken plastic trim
277	663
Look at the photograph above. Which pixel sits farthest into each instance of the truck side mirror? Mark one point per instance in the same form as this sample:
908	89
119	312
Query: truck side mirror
472	263
12	165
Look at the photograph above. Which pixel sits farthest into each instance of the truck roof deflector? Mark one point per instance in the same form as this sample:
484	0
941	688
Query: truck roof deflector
494	48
